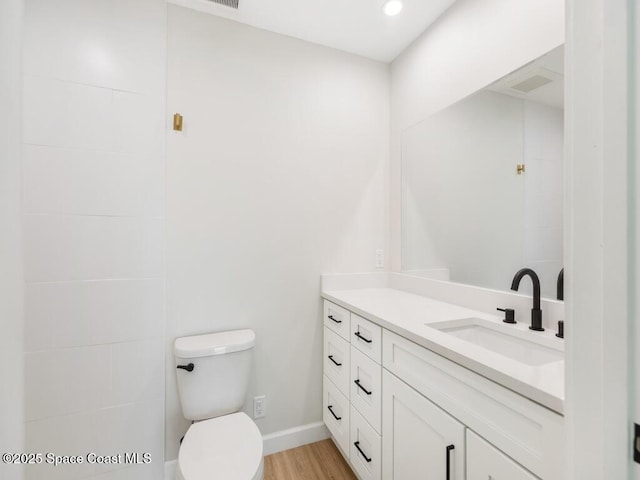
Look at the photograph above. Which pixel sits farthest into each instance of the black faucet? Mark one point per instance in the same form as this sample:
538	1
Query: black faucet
536	313
560	286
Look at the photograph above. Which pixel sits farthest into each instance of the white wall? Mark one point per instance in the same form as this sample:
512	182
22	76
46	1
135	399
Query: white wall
94	163
11	317
470	46
462	202
279	175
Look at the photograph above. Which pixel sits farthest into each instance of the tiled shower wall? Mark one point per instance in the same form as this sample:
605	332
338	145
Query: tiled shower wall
93	227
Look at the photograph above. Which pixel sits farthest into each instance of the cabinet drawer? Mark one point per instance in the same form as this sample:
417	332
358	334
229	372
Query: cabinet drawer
337	319
367	337
336	360
335	414
366	387
487	462
365	448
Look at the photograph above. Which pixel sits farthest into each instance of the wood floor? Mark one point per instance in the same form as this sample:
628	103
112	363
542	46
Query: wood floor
316	461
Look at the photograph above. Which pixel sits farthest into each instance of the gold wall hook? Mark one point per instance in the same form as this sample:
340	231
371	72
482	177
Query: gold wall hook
520	168
177	122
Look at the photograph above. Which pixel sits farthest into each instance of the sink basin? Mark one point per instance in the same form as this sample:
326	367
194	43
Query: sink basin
521	345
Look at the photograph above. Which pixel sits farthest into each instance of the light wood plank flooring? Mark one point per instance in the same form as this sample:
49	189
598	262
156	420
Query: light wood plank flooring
316	461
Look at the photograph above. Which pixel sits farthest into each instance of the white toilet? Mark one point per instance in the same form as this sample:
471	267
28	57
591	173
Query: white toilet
213	375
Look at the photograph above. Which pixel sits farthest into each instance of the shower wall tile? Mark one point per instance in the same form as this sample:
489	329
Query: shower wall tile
72	314
70	247
107	43
117	430
93	231
65	114
92	182
137	371
139	124
65	381
75	380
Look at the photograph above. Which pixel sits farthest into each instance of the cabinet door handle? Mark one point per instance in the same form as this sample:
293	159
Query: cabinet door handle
368	459
357	334
337	321
330	407
330	357
449	448
357	382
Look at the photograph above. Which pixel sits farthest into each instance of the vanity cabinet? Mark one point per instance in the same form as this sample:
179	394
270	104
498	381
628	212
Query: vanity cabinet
419	439
399	411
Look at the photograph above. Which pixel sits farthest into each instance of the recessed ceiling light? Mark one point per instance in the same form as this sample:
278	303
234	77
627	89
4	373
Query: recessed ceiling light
392	7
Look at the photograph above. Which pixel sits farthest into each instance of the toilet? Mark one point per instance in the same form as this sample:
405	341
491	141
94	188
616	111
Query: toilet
213	375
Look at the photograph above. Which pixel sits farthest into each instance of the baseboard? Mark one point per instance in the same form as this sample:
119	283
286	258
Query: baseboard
294	437
275	442
170	469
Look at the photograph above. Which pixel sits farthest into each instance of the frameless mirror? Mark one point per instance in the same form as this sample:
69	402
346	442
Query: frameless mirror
482	183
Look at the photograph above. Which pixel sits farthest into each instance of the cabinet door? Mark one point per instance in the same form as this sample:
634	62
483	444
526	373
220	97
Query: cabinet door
485	462
419	439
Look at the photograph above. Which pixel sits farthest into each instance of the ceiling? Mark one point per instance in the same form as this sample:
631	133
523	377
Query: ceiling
355	26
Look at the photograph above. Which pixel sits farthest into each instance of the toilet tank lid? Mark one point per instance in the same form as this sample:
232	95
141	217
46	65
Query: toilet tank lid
214	343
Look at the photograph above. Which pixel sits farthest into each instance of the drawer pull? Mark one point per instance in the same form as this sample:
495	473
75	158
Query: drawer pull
337	321
330	357
449	448
357	382
333	413
357	334
357	445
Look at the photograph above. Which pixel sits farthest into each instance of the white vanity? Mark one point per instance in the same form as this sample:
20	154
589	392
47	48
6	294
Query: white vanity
404	400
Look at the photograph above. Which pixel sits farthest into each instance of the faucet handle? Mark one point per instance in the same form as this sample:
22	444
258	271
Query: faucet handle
560	333
509	315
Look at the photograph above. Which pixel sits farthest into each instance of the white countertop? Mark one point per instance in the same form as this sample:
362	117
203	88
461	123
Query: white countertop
406	314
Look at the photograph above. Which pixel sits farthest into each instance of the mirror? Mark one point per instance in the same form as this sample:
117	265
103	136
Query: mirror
468	215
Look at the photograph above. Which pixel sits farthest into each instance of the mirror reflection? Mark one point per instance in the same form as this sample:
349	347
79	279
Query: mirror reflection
482	183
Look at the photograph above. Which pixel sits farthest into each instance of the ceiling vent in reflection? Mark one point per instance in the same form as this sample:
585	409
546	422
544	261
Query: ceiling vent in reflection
531	83
534	83
227	3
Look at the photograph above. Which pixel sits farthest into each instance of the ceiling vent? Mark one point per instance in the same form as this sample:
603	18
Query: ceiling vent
227	3
531	83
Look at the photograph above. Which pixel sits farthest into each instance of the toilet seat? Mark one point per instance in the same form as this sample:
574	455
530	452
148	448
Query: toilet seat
227	447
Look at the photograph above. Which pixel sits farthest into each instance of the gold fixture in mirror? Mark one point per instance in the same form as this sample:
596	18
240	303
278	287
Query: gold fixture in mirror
177	122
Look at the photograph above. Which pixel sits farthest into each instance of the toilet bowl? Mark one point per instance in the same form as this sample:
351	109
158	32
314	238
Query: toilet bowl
213	375
226	448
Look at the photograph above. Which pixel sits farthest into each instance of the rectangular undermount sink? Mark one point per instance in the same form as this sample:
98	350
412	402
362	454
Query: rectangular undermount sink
522	345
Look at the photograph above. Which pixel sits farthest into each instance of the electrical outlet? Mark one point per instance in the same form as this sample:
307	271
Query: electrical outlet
380	258
259	406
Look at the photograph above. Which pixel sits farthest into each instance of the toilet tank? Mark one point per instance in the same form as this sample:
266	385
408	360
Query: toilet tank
213	372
